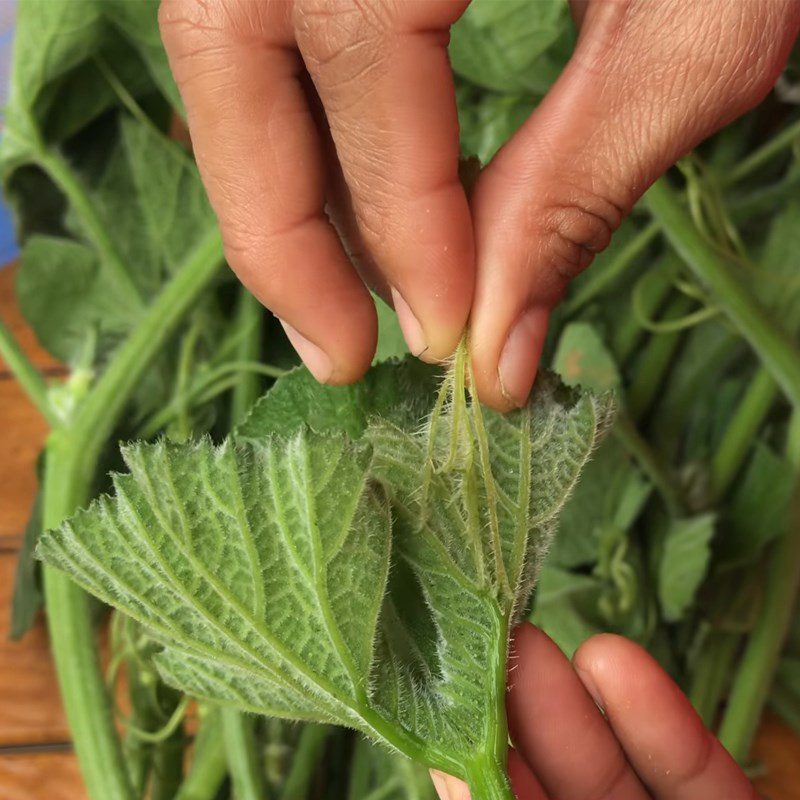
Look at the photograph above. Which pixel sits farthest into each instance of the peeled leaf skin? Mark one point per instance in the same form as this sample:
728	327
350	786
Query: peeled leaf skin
263	565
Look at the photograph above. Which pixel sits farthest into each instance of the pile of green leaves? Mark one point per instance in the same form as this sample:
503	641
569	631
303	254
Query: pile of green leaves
355	557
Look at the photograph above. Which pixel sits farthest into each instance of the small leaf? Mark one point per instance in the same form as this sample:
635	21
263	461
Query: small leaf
391	343
684	563
582	359
27	597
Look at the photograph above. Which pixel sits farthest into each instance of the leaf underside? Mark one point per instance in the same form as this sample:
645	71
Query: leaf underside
366	577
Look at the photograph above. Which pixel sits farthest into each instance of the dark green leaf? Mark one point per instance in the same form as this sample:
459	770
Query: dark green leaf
27	597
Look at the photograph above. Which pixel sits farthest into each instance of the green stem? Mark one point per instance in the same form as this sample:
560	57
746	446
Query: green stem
29	378
652	364
745	423
250	321
56	166
757	668
304	761
613	270
645	456
71	460
778	352
764	200
101	409
360	773
774	147
168	766
240	750
209	765
487	780
72	639
711	672
651	290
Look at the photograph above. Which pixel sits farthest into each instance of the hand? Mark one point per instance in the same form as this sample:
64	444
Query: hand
649	744
298	104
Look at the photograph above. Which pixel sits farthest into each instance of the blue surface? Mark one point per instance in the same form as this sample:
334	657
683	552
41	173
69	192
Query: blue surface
8	243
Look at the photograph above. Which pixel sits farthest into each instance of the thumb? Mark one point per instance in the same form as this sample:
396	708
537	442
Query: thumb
647	82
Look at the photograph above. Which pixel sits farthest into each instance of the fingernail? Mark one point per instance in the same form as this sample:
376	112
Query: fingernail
440	784
315	359
409	324
588	681
519	359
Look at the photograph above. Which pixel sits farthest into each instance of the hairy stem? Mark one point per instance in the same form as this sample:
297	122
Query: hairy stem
777	351
29	378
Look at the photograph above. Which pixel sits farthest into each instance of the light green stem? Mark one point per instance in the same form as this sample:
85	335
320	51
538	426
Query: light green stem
304	761
487	780
209	765
240	750
30	379
778	352
71	458
72	638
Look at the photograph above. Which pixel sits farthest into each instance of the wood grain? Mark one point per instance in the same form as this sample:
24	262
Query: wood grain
30	708
23	435
49	775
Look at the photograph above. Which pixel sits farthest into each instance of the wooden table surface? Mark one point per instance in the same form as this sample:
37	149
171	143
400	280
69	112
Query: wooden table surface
36	758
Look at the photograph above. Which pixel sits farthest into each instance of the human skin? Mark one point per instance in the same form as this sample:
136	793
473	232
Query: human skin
647	743
295	106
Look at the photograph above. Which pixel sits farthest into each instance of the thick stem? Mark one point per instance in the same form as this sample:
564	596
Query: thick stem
72	638
29	378
304	761
240	749
209	765
71	461
777	351
757	668
487	780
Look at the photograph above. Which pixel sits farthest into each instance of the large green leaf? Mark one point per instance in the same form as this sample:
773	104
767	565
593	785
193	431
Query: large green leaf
262	565
61	48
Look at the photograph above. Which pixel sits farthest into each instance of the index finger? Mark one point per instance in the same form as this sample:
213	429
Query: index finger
259	153
664	739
